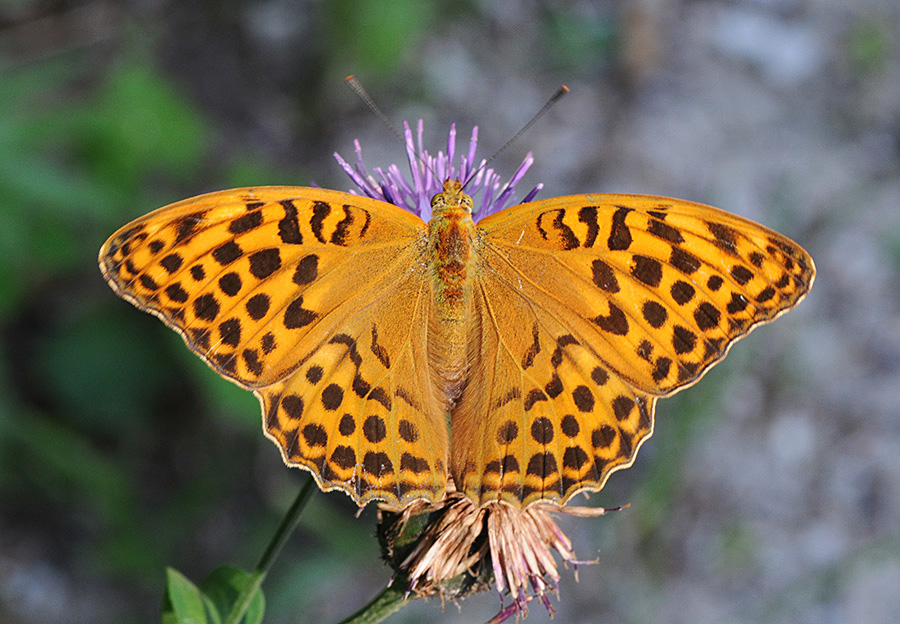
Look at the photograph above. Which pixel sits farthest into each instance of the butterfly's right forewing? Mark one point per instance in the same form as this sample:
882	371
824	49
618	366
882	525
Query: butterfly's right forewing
317	301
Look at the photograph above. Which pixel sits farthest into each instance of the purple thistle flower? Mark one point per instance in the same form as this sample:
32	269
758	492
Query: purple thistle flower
430	172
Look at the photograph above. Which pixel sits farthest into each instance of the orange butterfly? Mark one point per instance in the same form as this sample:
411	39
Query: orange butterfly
521	355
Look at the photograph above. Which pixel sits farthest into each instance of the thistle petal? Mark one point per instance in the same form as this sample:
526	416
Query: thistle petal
428	174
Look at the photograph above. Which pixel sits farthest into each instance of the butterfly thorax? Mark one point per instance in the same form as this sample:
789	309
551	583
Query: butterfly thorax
451	234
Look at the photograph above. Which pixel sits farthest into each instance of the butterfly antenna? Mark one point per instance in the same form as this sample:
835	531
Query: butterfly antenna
357	87
563	89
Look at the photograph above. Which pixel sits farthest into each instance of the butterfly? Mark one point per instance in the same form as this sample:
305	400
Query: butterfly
520	356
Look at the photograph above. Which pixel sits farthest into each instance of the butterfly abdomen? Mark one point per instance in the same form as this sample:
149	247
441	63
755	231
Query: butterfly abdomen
451	259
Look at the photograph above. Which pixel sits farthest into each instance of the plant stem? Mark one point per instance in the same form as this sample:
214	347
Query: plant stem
389	601
284	530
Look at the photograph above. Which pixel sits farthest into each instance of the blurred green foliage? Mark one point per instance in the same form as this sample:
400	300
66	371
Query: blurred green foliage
570	37
116	443
69	161
869	45
84	378
374	35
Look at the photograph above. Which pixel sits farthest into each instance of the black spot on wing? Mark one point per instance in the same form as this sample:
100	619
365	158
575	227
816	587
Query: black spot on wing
647	270
374	429
206	307
265	262
379	351
615	322
588	216
296	316
741	274
339	236
320	211
379	394
227	253
726	238
533	349
257	306
683	261
171	263
567	236
307	270
620	235
533	396
513	394
148	282
246	222
176	293
187	226
289	226
737	304
654	313
682	292
664	231
604	277
230	284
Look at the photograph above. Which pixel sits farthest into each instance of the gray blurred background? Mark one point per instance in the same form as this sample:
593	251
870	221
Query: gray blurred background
770	491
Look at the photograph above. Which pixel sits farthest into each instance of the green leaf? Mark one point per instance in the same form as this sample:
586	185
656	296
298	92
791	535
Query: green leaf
183	602
224	585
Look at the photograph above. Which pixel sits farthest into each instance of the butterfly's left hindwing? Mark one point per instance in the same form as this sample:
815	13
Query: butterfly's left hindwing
542	417
359	410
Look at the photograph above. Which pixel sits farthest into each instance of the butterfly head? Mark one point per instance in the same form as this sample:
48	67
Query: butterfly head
451	198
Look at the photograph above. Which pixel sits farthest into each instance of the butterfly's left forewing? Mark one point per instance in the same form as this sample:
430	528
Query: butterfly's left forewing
659	287
243	274
588	308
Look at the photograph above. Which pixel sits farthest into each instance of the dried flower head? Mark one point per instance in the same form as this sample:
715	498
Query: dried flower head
455	548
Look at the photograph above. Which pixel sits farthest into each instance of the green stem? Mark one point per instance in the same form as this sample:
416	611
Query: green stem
389	601
284	530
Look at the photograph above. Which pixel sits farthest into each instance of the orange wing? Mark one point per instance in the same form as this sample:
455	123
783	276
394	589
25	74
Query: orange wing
588	308
317	301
